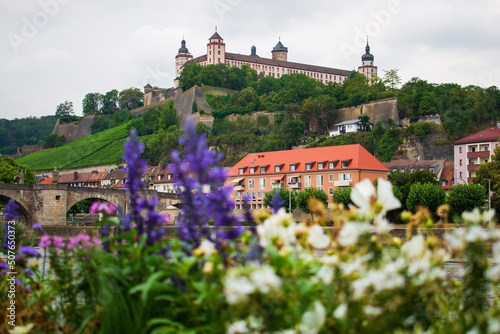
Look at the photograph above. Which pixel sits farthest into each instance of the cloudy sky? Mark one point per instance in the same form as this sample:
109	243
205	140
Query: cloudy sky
57	50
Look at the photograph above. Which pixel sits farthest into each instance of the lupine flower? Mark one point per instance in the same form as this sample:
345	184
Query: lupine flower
44	241
136	167
28	250
29	272
277	203
37	226
197	170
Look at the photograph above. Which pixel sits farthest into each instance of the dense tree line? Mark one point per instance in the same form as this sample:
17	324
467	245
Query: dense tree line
25	131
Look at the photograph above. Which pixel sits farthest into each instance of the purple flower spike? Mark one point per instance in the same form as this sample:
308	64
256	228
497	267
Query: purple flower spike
196	173
10	210
277	203
37	226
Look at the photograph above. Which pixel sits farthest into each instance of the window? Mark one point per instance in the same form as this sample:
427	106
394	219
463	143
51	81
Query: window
330	191
250	183
292	168
308	166
320	166
319	180
307	181
238	194
58	197
330	177
259	195
443	183
252	170
461	174
345	177
331	165
159	177
262	169
460	162
262	184
241	171
253	196
345	164
473	149
277	169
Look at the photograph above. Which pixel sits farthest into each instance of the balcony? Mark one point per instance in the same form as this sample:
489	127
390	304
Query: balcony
472	167
480	154
239	188
343	183
297	185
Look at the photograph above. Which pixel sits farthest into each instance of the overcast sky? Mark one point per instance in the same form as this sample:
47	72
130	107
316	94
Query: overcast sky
57	50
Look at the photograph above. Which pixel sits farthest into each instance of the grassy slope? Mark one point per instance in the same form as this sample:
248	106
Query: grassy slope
102	148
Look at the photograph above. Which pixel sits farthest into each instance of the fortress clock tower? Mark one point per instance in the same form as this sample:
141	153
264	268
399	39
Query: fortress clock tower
182	57
367	67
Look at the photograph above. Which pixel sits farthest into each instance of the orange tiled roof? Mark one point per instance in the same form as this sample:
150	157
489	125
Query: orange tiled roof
357	156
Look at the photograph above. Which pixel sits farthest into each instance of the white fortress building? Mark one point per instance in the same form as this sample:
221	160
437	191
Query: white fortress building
277	66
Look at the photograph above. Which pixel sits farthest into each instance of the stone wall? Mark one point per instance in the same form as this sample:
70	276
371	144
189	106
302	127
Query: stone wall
254	116
425	149
75	131
377	110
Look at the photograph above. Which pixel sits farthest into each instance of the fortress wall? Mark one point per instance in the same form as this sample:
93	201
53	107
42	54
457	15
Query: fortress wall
377	110
72	131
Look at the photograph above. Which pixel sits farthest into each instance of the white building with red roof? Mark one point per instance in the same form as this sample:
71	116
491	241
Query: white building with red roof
322	167
474	150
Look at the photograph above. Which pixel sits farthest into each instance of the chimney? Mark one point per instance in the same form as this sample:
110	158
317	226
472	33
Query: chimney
75	176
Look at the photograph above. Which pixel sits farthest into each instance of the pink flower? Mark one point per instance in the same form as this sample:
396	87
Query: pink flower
83	241
58	242
44	241
106	208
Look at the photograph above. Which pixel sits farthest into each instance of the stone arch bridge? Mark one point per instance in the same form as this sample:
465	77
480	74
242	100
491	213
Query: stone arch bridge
47	204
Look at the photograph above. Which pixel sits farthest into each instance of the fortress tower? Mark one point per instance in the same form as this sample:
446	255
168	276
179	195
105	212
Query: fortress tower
182	57
280	52
367	67
216	49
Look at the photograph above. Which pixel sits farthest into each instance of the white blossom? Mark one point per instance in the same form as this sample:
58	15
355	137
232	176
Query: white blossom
265	280
207	247
476	234
419	265
414	248
495	253
313	319
278	227
325	274
379	201
317	237
350	233
340	311
456	239
372	310
237	289
493	325
493	274
351	267
330	259
238	327
476	217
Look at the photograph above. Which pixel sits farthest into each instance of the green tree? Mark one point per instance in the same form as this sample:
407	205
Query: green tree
491	171
305	195
392	78
288	197
65	111
466	197
426	194
81	207
404	180
54	140
110	102
131	98
92	103
10	171
342	195
217	102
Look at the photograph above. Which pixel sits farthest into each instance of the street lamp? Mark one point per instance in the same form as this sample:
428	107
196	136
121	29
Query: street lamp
489	195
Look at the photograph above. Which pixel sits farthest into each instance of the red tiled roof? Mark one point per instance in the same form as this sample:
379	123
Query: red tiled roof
488	135
275	62
47	180
448	175
361	160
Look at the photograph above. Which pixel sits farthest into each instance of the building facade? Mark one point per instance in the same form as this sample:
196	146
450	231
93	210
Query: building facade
474	150
350	126
327	168
276	66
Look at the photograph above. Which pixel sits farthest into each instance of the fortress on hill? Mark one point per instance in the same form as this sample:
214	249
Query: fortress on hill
276	66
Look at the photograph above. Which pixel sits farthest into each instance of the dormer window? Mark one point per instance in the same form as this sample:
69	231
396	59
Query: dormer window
253	170
345	163
320	166
310	165
159	177
292	168
277	168
332	164
241	170
263	169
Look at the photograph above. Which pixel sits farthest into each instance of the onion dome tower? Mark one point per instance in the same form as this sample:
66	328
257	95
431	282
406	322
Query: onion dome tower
367	68
181	58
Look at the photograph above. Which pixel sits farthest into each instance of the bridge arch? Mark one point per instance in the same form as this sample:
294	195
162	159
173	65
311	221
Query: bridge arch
23	210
